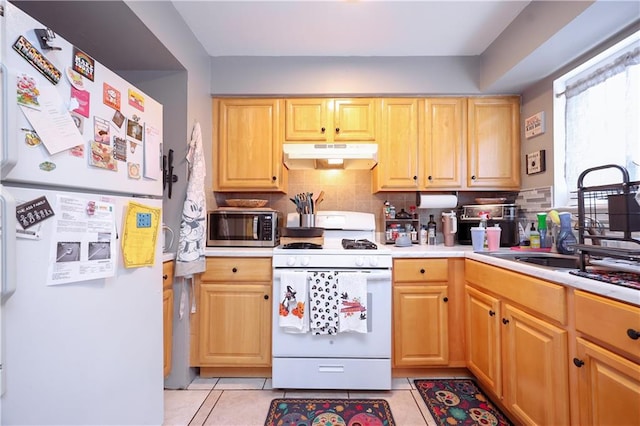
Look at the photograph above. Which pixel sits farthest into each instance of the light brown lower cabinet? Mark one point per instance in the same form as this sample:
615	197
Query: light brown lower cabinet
232	326
607	360
167	313
427	308
517	352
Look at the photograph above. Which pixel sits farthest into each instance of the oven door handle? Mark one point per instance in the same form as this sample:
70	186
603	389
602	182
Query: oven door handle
372	275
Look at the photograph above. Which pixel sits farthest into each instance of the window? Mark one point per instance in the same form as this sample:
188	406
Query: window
597	119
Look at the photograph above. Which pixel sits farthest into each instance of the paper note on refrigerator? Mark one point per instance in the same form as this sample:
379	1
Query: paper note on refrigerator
140	234
83	243
52	122
152	152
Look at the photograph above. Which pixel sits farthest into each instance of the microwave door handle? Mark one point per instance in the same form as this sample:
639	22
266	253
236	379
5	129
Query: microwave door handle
255	227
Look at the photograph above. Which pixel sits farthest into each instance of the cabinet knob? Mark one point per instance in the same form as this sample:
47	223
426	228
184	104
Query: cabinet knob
430	177
445	299
165	276
273	178
415	178
492	313
422	271
578	362
633	334
234	270
473	177
505	321
266	297
337	129
322	130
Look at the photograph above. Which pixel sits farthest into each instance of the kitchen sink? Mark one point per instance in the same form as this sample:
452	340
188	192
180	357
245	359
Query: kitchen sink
548	260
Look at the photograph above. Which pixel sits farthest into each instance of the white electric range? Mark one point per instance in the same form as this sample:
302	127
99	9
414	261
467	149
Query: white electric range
341	360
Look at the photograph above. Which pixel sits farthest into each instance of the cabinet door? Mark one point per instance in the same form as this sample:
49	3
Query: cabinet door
421	332
609	386
483	338
249	149
167	309
235	325
397	167
354	120
535	369
493	145
307	119
444	141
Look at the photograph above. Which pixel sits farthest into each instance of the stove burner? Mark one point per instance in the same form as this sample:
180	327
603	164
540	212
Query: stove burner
348	244
302	245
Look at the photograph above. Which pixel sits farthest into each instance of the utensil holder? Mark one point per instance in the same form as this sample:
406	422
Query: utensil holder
307	220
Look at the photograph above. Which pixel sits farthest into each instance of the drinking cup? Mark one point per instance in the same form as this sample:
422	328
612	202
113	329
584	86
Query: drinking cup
477	238
493	238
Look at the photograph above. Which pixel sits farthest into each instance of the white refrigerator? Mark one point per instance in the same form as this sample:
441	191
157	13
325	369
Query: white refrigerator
81	269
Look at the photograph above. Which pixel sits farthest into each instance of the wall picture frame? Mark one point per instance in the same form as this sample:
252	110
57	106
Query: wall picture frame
534	125
536	162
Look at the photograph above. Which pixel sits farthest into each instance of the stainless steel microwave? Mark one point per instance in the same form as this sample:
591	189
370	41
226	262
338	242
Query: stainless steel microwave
240	227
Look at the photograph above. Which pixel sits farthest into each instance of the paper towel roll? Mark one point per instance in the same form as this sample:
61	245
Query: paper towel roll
432	201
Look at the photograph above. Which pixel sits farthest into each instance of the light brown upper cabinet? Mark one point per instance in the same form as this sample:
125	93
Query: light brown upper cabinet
493	145
444	140
247	145
326	120
397	167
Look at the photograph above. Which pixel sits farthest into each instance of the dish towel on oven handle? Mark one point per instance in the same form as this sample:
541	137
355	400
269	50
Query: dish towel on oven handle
293	301
323	302
352	287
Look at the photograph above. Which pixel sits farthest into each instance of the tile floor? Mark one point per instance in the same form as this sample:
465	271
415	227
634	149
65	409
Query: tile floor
245	402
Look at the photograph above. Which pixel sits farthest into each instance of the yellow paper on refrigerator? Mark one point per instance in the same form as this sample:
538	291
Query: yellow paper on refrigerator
140	234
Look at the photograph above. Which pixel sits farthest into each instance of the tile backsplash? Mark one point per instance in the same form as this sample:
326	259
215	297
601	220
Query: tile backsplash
349	190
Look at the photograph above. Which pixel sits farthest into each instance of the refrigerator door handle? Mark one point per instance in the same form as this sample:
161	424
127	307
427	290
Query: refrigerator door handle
8	244
9	154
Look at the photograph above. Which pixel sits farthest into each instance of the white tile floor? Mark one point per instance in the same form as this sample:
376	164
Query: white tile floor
245	402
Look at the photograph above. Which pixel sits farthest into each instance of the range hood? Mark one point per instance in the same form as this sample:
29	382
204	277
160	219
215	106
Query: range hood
330	156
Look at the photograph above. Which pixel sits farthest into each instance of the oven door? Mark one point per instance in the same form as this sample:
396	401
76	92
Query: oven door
376	343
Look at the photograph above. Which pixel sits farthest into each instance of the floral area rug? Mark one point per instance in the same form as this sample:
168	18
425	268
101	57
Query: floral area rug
459	402
329	412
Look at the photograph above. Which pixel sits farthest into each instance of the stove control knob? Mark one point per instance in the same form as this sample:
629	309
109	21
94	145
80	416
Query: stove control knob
291	261
305	261
373	261
359	261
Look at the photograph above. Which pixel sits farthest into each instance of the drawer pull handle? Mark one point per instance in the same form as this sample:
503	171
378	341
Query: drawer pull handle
165	276
505	321
422	271
234	270
492	313
578	362
633	334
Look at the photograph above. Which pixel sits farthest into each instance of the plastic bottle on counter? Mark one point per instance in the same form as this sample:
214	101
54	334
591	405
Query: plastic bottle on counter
534	237
423	235
431	231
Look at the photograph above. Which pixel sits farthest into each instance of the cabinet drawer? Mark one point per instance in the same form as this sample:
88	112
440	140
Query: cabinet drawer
608	321
167	274
237	269
539	296
420	270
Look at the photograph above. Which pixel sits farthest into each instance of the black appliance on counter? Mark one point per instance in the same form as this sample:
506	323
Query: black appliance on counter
504	215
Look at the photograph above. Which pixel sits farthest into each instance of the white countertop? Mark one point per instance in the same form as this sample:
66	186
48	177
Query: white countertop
563	277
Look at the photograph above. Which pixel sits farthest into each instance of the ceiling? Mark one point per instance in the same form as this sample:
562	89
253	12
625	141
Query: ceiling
347	28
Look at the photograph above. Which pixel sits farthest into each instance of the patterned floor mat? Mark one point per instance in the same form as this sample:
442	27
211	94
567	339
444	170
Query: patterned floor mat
459	402
334	412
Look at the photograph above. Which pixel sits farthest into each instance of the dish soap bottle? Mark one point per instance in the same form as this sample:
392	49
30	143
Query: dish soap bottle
431	231
534	237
